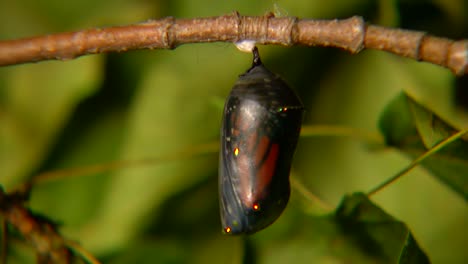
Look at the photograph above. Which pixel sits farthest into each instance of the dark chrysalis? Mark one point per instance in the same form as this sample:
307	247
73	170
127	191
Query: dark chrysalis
260	129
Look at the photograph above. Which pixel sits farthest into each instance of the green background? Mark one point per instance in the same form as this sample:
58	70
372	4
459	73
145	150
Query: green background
158	103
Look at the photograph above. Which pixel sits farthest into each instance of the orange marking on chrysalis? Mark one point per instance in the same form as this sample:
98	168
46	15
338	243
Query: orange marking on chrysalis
267	168
261	150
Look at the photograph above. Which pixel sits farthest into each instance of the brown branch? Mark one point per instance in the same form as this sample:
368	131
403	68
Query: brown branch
39	231
4	246
350	34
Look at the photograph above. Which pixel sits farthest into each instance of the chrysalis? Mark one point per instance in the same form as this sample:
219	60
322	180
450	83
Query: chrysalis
259	133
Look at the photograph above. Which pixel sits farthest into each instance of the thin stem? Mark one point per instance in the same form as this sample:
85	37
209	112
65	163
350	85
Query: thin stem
307	131
309	195
418	160
110	166
87	256
345	131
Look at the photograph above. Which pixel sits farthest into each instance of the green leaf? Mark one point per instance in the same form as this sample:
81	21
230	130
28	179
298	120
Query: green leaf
358	232
413	128
377	233
396	122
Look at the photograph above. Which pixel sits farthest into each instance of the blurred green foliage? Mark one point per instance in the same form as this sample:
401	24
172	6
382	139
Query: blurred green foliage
157	103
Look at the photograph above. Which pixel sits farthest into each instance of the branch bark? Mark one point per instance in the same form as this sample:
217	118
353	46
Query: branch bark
350	34
39	231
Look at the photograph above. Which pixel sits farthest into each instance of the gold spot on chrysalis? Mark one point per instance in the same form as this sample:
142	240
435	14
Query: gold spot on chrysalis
256	207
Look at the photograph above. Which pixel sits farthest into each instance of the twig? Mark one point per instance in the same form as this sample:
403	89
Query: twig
115	165
418	160
350	34
190	151
340	130
4	247
309	195
82	252
38	230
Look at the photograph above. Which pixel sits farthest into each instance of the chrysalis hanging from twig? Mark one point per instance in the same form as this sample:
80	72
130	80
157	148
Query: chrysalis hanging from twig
259	133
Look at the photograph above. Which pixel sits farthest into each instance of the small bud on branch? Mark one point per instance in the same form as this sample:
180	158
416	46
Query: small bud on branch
350	34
